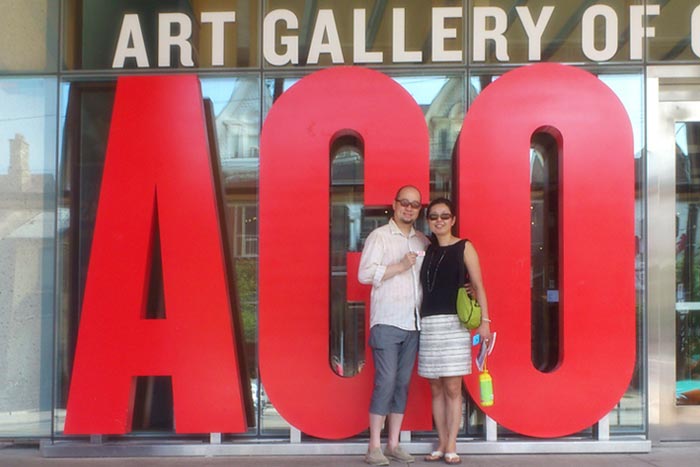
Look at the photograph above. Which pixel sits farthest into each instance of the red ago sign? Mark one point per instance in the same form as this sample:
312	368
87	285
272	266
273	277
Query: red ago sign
158	150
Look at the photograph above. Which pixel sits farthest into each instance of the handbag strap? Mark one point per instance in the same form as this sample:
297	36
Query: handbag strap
463	272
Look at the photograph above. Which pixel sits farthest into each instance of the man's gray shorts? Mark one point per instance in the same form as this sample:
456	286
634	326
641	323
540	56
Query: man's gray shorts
394	351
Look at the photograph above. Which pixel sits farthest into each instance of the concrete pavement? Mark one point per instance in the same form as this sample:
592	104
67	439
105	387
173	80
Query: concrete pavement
663	455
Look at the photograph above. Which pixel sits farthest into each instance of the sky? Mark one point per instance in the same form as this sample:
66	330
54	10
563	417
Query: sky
28	107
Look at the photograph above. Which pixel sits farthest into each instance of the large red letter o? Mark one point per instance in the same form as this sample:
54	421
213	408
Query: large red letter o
597	299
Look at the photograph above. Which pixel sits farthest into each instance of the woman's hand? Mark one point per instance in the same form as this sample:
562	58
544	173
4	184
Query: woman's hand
484	331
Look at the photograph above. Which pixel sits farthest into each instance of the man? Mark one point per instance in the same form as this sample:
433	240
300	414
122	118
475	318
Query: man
391	261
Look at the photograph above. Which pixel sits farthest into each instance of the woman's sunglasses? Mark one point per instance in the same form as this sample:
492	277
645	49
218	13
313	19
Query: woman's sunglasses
445	216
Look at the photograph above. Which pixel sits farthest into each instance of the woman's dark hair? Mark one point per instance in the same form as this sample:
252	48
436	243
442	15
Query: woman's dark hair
444	201
436	201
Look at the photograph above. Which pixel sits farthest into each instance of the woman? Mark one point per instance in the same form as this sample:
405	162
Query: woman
444	355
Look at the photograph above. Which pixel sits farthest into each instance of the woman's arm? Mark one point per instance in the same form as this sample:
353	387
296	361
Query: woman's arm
471	261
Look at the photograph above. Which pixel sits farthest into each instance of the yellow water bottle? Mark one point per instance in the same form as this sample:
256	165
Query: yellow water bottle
486	386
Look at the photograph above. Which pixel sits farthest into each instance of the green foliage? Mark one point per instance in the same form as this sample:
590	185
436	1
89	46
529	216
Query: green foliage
247	283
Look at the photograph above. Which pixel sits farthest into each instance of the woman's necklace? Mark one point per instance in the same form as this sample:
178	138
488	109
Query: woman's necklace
431	284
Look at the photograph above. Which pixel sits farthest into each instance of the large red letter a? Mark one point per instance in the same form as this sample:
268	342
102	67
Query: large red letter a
157	157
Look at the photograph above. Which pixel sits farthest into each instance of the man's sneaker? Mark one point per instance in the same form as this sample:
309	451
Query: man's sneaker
398	454
375	457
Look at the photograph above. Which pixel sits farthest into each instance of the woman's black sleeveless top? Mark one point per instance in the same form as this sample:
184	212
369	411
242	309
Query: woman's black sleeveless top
442	273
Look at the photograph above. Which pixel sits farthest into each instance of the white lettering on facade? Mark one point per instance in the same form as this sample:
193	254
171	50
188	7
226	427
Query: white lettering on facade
359	39
167	38
441	32
609	18
637	30
534	30
130	32
481	34
695	31
325	27
290	43
218	19
600	40
399	52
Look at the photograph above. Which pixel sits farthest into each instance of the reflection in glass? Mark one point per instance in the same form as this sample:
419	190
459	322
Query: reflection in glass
672	33
88	110
544	227
687	263
347	335
235	103
27	216
628	416
442	100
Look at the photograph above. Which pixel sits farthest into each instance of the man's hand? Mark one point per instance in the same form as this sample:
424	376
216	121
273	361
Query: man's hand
409	260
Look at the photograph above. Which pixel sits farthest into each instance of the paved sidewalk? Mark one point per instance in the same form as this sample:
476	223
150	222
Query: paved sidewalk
664	455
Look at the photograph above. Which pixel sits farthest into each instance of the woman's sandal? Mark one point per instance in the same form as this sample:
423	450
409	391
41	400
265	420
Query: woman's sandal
434	456
452	458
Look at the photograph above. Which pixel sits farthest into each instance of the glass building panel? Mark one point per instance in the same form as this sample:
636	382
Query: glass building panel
271	422
389	32
126	34
507	32
672	32
347	320
629	416
233	113
46	229
86	110
236	107
544	228
29	36
687	263
27	217
630	413
442	99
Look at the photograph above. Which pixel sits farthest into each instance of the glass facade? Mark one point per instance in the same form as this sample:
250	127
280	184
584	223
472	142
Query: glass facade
687	268
27	253
59	63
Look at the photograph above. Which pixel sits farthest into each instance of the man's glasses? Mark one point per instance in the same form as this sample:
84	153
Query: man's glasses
406	203
445	216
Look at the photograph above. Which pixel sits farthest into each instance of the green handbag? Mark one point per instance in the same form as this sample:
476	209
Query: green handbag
468	309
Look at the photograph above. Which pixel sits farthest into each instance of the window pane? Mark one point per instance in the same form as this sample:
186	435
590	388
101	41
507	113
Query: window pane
672	33
29	35
544	211
347	333
687	263
629	414
27	200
